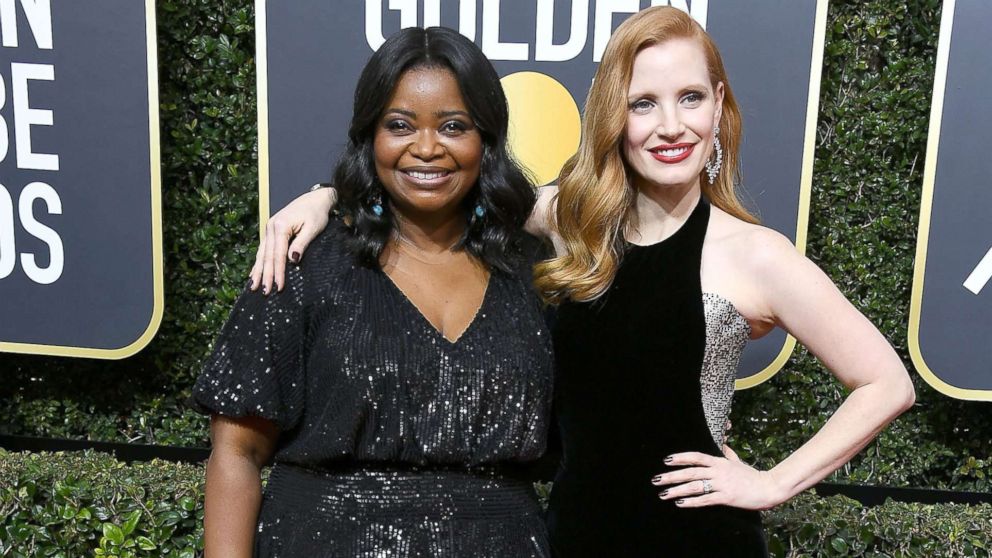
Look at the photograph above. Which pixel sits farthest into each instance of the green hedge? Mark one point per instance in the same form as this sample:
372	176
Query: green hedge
874	107
86	504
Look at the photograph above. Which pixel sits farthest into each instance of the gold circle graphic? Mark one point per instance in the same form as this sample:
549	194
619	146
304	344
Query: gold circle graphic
544	123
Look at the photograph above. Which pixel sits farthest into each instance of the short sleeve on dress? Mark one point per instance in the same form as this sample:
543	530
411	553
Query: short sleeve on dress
257	365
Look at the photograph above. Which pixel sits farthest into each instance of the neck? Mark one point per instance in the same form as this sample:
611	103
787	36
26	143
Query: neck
429	233
661	210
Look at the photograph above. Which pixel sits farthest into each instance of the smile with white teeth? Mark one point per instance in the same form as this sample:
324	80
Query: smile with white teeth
421	175
671	152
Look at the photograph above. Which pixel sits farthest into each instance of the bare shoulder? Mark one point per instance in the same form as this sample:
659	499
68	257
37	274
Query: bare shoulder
750	247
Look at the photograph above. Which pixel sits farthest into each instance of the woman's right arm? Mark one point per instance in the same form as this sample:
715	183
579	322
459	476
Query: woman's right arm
290	231
234	488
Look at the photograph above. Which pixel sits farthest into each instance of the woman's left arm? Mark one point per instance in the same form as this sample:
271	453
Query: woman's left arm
797	296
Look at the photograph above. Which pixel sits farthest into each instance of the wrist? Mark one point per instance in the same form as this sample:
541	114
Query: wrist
327	190
778	490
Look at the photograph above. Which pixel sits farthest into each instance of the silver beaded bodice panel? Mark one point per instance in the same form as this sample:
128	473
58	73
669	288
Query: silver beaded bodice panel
726	334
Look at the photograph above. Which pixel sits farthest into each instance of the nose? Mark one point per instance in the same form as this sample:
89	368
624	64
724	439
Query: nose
426	146
670	126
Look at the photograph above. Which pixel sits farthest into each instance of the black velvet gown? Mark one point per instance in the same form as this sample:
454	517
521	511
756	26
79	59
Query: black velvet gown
643	372
395	442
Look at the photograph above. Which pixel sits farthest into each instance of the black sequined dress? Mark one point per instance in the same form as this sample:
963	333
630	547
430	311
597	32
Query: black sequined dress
394	441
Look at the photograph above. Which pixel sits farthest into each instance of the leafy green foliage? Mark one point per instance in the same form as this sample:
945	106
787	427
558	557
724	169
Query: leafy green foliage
89	504
838	526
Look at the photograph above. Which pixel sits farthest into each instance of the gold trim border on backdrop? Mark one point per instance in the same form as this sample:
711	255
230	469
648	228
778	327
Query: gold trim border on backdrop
155	164
926	207
805	183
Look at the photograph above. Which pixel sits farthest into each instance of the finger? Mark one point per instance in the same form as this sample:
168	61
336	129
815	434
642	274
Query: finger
711	499
267	264
730	454
694	488
301	241
255	277
690	458
279	252
682	475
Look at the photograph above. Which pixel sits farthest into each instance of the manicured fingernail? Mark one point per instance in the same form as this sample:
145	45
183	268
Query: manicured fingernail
668	459
680	502
656	479
664	493
296	257
265	290
251	283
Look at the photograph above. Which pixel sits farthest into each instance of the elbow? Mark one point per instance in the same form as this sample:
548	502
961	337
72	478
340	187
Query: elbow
909	399
903	394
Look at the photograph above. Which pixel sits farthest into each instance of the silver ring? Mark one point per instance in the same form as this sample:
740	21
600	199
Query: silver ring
707	487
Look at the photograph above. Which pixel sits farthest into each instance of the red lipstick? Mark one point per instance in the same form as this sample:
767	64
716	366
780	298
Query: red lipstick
687	148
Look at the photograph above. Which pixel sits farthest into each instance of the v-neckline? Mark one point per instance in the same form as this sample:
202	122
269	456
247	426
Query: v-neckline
429	325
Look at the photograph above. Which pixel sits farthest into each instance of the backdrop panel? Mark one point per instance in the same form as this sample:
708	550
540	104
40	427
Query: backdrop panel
950	329
80	239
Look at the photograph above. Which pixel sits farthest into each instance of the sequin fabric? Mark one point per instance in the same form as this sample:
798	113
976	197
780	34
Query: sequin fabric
726	334
392	437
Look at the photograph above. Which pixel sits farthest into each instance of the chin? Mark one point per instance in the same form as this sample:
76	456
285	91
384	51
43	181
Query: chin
671	180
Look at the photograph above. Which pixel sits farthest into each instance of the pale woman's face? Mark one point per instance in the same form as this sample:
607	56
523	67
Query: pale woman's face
672	109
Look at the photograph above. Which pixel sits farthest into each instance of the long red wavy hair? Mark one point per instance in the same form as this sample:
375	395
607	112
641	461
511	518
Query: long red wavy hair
595	201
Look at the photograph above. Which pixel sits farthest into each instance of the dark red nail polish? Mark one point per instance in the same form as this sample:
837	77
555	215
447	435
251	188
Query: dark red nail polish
251	283
668	459
296	257
664	493
265	290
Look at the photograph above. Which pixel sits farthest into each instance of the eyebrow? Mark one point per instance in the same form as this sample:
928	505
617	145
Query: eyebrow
638	94
447	113
438	114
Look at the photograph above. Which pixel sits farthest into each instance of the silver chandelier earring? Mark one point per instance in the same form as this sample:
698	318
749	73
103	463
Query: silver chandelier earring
713	165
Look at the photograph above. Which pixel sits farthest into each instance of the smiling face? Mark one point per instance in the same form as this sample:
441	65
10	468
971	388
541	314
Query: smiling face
427	148
672	110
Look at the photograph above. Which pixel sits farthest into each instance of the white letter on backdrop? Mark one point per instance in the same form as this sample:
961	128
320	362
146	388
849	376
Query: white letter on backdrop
604	22
7	255
25	116
374	33
494	49
4	130
544	47
39	16
32	192
466	16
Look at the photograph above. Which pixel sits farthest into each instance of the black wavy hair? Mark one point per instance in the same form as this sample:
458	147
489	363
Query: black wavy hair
503	190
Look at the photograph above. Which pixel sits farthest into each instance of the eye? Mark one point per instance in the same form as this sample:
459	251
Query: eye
641	106
693	98
398	126
453	127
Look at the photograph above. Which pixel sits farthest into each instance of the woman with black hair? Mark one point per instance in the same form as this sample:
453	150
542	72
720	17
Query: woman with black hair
405	362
